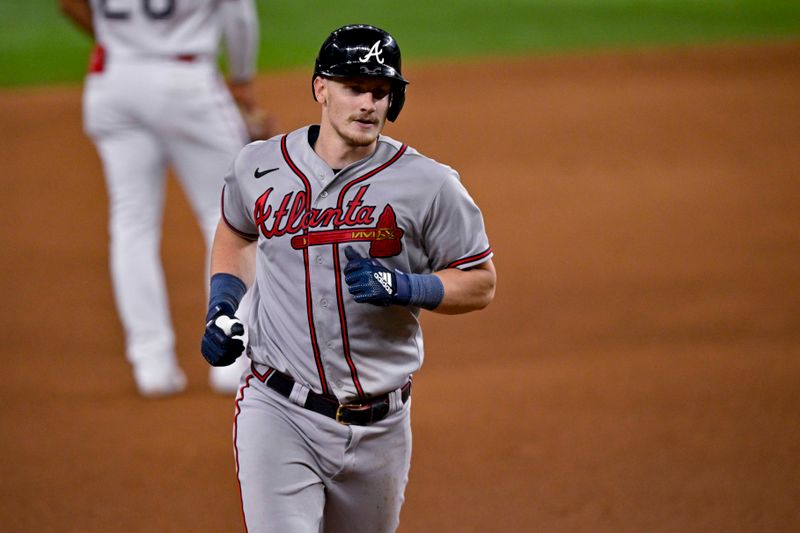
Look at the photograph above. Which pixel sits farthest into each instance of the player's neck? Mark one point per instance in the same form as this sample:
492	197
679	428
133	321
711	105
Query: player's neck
336	151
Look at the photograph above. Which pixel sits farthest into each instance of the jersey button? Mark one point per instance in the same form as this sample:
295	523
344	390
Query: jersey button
319	259
323	302
324	194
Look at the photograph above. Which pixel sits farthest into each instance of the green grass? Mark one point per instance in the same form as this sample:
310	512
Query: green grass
39	46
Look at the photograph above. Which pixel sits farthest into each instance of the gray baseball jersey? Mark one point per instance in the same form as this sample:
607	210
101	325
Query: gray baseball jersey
398	206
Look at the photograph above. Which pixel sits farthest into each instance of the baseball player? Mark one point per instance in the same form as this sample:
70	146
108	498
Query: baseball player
343	235
154	96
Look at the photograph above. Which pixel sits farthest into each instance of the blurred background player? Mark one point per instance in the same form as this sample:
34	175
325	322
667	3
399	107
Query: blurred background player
154	97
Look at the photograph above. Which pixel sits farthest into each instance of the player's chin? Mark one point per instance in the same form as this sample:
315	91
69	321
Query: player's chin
360	136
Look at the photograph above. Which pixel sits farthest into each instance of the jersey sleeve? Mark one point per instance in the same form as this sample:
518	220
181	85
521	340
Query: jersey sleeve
234	211
455	236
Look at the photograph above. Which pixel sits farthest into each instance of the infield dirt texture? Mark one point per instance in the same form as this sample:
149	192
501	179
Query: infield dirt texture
638	371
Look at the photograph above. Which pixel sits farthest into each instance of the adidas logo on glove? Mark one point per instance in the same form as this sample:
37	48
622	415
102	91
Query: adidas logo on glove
385	279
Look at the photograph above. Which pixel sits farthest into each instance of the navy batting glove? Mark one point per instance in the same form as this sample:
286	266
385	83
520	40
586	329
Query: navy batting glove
371	282
223	339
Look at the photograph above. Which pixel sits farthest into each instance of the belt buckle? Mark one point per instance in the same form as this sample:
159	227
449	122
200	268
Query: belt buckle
344	407
339	411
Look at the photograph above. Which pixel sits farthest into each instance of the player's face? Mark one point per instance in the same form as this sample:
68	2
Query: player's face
355	107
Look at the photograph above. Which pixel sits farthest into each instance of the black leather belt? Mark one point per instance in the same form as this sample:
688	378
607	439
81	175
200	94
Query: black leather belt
357	414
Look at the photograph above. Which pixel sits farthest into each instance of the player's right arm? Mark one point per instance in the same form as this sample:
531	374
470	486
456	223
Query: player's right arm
233	254
233	267
79	12
233	270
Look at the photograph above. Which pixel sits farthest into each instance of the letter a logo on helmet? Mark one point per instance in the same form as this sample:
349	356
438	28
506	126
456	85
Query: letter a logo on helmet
376	51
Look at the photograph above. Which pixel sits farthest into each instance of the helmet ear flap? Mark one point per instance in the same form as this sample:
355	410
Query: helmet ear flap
396	100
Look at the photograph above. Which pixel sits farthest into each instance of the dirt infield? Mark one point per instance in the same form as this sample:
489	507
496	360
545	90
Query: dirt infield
638	371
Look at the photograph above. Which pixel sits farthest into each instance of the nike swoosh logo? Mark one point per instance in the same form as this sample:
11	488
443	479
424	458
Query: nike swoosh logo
258	174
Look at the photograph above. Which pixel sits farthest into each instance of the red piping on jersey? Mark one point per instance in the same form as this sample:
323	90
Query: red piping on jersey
337	271
243	235
470	259
262	377
369	174
298	172
343	322
309	308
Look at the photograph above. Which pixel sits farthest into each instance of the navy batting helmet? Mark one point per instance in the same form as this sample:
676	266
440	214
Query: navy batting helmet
363	50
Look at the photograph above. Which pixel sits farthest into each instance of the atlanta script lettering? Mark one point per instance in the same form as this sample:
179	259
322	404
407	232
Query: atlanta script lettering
293	215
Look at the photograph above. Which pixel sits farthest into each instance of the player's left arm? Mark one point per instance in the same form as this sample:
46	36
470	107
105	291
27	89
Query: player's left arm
466	290
79	12
453	228
449	291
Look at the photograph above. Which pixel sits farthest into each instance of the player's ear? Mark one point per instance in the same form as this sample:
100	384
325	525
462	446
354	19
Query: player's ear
320	89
